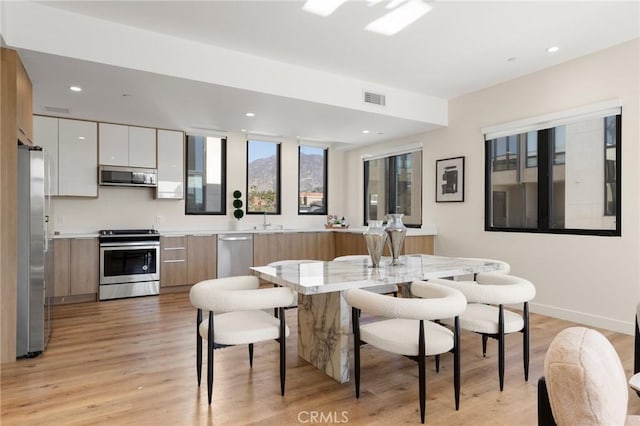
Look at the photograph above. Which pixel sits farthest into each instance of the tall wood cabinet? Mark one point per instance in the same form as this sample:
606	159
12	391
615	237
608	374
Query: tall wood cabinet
24	105
16	101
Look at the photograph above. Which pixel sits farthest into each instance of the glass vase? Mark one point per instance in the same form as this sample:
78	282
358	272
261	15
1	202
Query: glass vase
375	237
396	231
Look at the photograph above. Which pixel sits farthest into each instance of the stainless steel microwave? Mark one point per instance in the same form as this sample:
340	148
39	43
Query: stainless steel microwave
127	176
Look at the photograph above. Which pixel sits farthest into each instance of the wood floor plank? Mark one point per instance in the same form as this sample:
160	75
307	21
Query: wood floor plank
132	361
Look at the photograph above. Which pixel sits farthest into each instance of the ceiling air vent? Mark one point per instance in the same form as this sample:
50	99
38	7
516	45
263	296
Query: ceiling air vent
57	110
374	98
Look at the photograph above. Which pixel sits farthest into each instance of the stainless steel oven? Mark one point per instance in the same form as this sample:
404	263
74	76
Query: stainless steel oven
129	263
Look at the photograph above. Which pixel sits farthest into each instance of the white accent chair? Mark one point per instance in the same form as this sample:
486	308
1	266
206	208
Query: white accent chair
380	289
293	304
236	317
486	315
584	382
505	268
409	329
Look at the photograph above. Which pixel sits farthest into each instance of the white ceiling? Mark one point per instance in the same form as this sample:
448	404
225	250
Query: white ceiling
457	48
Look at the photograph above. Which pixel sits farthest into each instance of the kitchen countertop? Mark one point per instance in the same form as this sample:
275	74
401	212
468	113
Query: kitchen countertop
425	230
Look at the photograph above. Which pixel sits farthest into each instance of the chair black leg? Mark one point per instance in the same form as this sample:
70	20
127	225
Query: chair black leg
545	415
210	359
438	363
484	345
251	355
525	341
198	347
283	351
456	361
355	322
422	382
501	346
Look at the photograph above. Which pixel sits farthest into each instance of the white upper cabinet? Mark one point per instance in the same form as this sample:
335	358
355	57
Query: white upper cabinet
77	158
114	144
127	146
170	164
73	152
45	134
142	147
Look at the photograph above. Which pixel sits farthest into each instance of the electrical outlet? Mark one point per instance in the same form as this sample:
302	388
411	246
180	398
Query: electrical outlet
159	219
59	220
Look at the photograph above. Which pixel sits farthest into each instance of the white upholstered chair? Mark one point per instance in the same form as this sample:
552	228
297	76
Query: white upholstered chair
293	304
409	328
380	289
486	315
505	268
584	382
235	316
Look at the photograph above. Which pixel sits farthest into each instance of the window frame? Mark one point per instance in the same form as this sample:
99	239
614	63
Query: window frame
390	168
325	188
223	174
278	178
546	160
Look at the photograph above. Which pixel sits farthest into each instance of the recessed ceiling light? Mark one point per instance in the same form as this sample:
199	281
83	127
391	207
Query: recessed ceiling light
511	59
553	49
365	132
399	18
322	7
250	114
81	138
75	88
243	130
126	95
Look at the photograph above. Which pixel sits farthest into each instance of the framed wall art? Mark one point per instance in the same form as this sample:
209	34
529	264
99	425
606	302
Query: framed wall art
450	180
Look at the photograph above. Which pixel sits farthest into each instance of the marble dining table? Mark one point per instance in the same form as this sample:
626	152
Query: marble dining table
324	331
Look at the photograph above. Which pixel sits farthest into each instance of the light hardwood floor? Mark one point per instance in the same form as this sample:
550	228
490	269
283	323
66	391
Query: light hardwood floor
132	362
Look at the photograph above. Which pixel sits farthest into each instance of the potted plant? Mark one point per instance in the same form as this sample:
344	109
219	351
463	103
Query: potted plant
238	213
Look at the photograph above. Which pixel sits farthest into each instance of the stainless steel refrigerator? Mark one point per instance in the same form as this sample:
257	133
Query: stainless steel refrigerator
34	290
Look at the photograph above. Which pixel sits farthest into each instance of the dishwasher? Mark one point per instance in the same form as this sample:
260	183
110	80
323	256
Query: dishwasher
235	254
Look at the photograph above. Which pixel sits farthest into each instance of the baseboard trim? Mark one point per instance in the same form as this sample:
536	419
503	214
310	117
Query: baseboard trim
585	319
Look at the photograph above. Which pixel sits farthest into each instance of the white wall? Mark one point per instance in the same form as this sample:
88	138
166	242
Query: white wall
118	207
588	279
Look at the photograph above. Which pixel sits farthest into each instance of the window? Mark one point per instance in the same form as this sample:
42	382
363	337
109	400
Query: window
263	177
394	185
568	182
206	159
312	180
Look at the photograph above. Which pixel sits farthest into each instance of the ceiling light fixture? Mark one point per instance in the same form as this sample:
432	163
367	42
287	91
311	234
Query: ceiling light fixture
553	49
250	114
75	88
81	138
322	7
399	18
365	132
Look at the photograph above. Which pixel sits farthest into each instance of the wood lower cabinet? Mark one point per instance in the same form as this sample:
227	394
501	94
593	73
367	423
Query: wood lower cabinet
201	257
75	269
271	247
173	261
348	243
187	259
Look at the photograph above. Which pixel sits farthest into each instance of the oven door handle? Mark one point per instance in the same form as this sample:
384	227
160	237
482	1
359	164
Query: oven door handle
137	244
